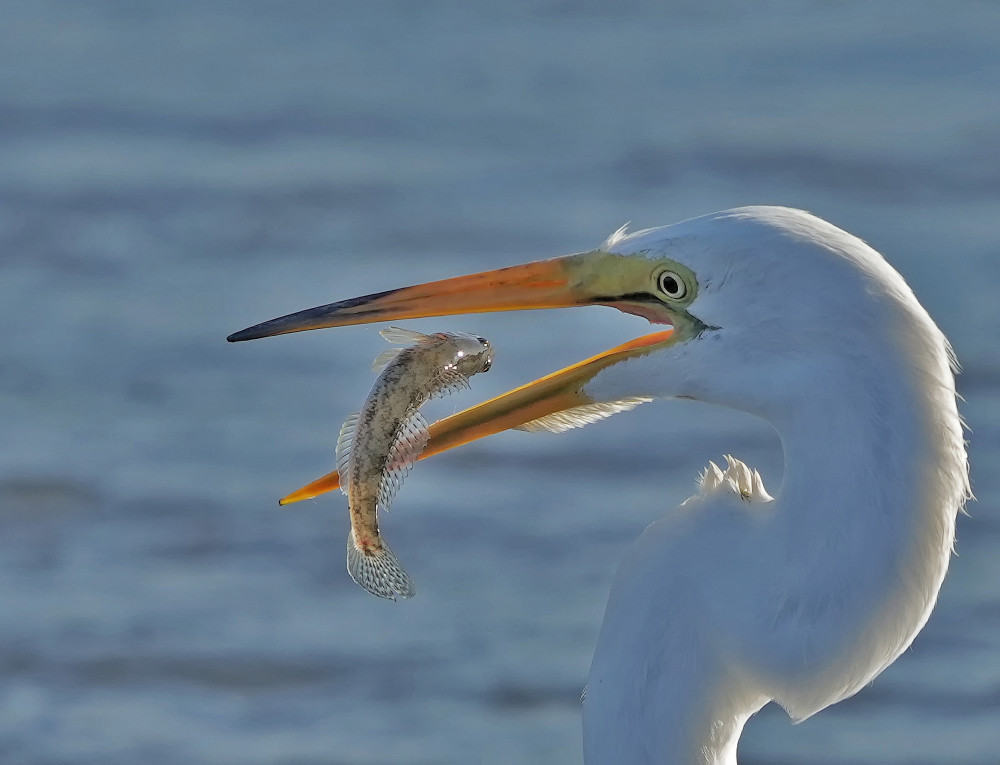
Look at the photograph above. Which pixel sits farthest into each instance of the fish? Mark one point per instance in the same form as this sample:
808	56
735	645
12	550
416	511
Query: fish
378	445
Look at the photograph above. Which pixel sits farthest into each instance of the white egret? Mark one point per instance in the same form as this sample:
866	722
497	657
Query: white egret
735	599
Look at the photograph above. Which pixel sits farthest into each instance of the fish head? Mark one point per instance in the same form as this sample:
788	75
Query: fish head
472	355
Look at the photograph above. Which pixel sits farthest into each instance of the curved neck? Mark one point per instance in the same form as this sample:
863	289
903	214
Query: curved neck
719	608
855	452
670	701
864	523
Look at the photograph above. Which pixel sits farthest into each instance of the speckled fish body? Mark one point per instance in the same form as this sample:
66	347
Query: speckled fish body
378	445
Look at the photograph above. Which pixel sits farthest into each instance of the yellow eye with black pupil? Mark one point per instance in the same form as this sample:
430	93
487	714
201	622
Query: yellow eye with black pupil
672	285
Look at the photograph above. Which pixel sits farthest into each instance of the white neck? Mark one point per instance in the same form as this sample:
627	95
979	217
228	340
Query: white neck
721	607
863	525
666	702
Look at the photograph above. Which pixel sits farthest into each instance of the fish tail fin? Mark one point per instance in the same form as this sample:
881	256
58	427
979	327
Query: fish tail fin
378	572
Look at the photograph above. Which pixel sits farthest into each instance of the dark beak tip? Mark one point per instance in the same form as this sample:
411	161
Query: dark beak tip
265	329
257	331
236	337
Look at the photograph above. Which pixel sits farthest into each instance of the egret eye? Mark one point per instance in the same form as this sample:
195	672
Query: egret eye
672	285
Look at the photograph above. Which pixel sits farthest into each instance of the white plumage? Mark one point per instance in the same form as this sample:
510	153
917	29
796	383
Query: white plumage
725	604
737	480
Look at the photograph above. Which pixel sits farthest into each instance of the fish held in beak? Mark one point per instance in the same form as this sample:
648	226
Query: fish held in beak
625	282
555	398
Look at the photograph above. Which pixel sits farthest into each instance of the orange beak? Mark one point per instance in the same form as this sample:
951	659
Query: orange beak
555	283
593	278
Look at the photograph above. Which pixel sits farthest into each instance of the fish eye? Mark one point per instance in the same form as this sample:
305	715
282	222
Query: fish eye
672	285
483	340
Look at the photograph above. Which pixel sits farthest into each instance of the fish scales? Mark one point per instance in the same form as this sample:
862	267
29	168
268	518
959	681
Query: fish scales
378	445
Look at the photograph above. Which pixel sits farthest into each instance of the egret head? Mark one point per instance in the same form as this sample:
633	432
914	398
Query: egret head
767	303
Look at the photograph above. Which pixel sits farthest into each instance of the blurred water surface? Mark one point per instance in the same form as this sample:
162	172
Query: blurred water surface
171	172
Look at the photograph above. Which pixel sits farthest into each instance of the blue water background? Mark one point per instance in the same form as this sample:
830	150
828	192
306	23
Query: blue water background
172	172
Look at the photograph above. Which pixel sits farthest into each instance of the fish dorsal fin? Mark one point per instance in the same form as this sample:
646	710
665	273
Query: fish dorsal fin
344	443
402	336
411	438
578	416
448	381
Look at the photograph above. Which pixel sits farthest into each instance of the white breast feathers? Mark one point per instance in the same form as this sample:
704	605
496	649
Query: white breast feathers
737	479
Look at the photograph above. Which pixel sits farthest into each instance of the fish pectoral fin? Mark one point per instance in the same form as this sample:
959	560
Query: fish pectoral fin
400	336
411	438
378	571
384	359
403	336
344	443
579	416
